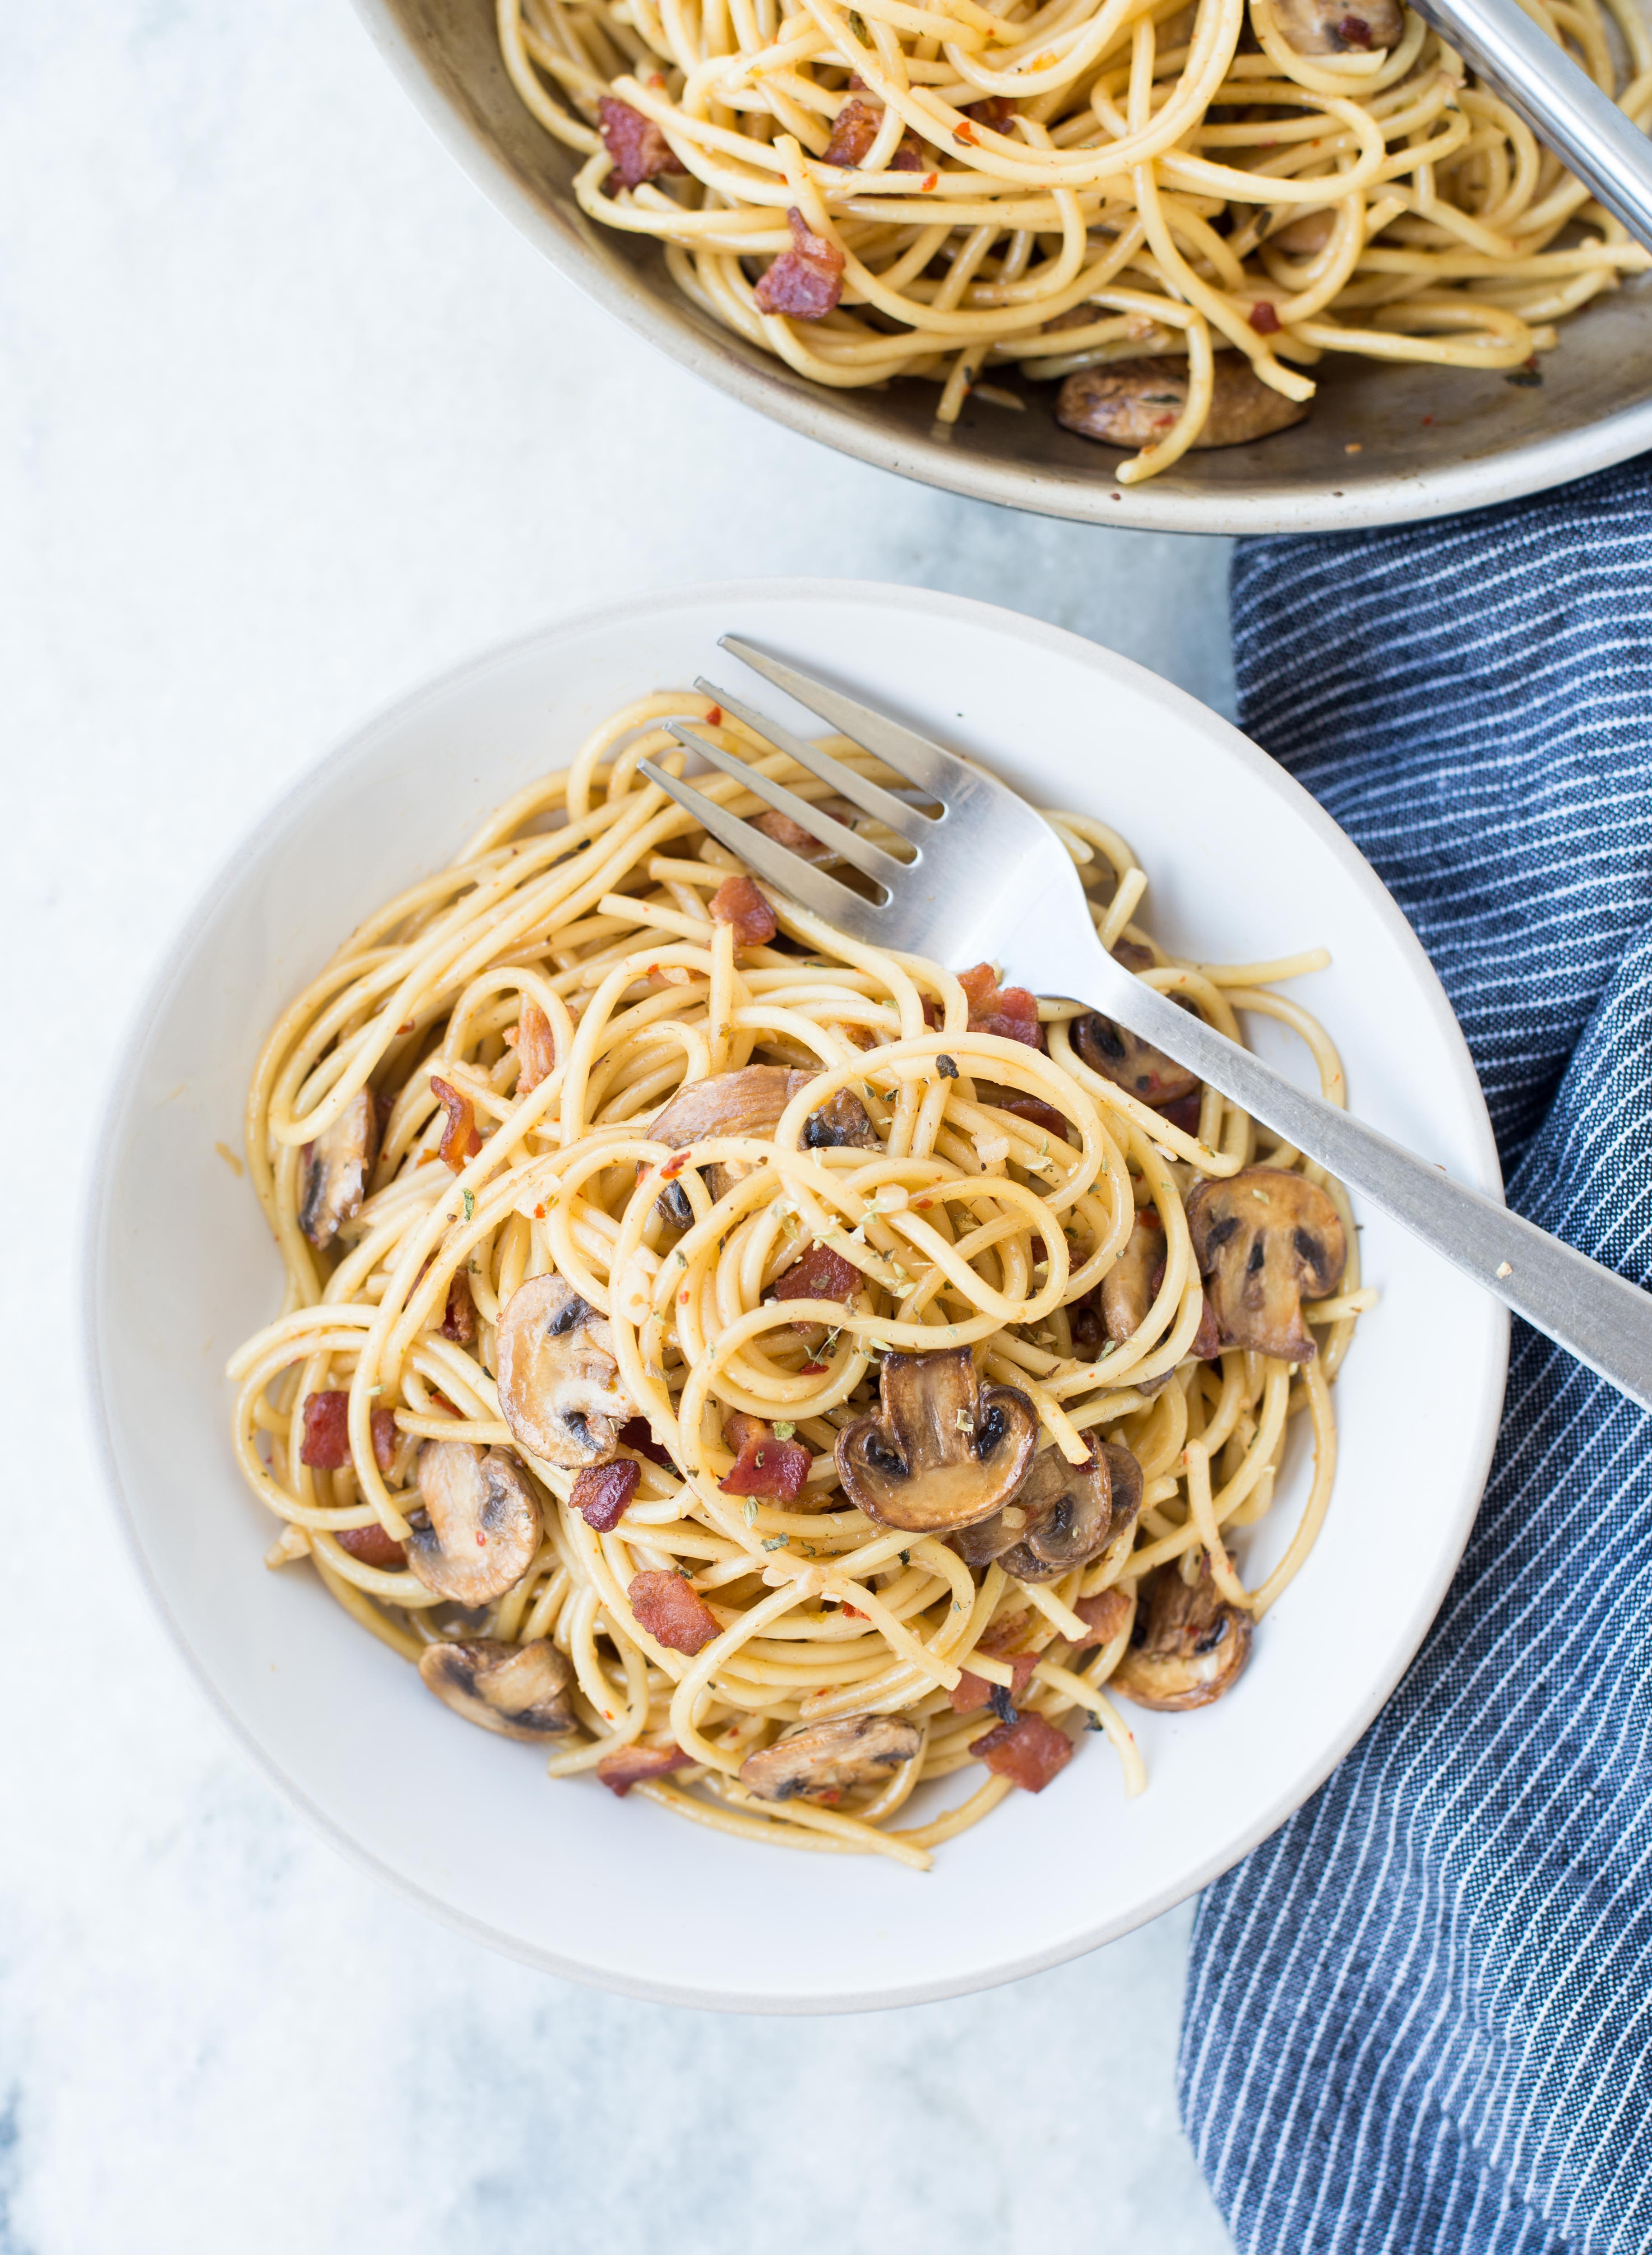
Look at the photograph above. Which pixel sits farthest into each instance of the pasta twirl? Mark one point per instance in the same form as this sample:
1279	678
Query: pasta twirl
770	1373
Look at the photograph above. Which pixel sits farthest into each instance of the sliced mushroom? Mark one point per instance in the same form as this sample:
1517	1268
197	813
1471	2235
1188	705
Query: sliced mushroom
1134	403
1062	1516
332	1174
1305	235
557	1371
1330	27
821	1761
1264	1240
1187	1647
481	1523
1126	1059
942	1451
1127	1288
748	1102
521	1690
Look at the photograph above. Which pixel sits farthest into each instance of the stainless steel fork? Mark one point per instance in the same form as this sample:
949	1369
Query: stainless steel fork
989	876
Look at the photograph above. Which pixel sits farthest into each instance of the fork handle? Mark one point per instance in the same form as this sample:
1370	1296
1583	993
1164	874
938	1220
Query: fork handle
1601	1318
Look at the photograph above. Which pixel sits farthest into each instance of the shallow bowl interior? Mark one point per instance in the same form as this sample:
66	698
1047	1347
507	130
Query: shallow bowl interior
1430	440
179	1269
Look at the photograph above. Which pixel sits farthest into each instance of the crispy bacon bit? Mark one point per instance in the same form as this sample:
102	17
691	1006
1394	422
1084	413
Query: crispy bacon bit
932	1014
535	1044
971	1691
601	1492
674	1166
909	157
325	1445
792	835
1029	1752
765	1465
821	1274
638	149
1010	1012
737	900
1184	1113
631	1765
373	1546
854	130
1037	1113
671	1613
995	112
637	1433
385	1438
1104	1614
714	716
458	1318
459	1139
1264	317
805	282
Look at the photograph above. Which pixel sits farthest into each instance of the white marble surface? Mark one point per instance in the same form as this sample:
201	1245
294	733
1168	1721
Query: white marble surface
288	419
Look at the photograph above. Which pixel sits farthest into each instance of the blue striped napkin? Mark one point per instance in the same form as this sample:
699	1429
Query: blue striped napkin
1419	2018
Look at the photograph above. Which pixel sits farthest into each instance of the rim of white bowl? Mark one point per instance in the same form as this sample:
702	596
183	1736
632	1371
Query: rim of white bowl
221	885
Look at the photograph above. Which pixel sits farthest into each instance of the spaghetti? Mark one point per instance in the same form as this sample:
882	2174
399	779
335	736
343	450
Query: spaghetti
773	1374
934	188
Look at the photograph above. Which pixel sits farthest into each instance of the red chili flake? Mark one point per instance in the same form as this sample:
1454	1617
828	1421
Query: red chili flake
821	1274
602	1491
768	1467
967	133
853	1613
813	1369
932	180
440	1401
737	900
1428	418
638	149
373	1545
631	1765
459	1139
536	1045
1264	317
671	1613
637	1433
674	1166
1010	1012
406	1026
385	1438
714	716
458	1319
326	1444
1104	1614
854	130
971	1690
1029	1752
427	1157
539	1213
806	281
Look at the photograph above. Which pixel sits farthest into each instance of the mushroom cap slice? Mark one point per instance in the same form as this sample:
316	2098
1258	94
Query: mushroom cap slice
1127	1288
815	1760
750	1102
1062	1516
519	1690
1133	403
1187	1648
484	1523
1129	1063
1334	27
1262	1239
557	1374
942	1451
332	1176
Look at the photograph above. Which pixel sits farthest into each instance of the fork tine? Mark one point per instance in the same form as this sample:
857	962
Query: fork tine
822	895
871	798
870	859
942	773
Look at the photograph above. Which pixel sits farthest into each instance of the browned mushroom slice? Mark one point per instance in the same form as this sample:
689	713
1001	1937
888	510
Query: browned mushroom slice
1129	1063
1136	403
942	1450
1307	236
1264	1240
521	1690
332	1173
1187	1647
823	1761
748	1102
1127	1288
557	1373
1062	1516
1331	27
481	1523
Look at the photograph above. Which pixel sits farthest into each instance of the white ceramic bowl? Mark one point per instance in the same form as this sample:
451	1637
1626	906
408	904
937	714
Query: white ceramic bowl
179	1269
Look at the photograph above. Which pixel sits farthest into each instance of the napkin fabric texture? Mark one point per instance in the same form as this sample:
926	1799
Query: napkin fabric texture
1418	2019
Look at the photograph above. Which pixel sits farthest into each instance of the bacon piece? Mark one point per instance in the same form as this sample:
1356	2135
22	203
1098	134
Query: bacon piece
671	1613
971	1691
535	1044
630	1766
932	1014
1208	1338
995	111
1029	1752
326	1444
459	1139
821	1274
910	157
805	282
1183	1113
638	149
765	1465
854	130
458	1319
601	1492
1010	1012
1264	317
385	1438
637	1433
737	900
1034	1110
373	1545
1105	1613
